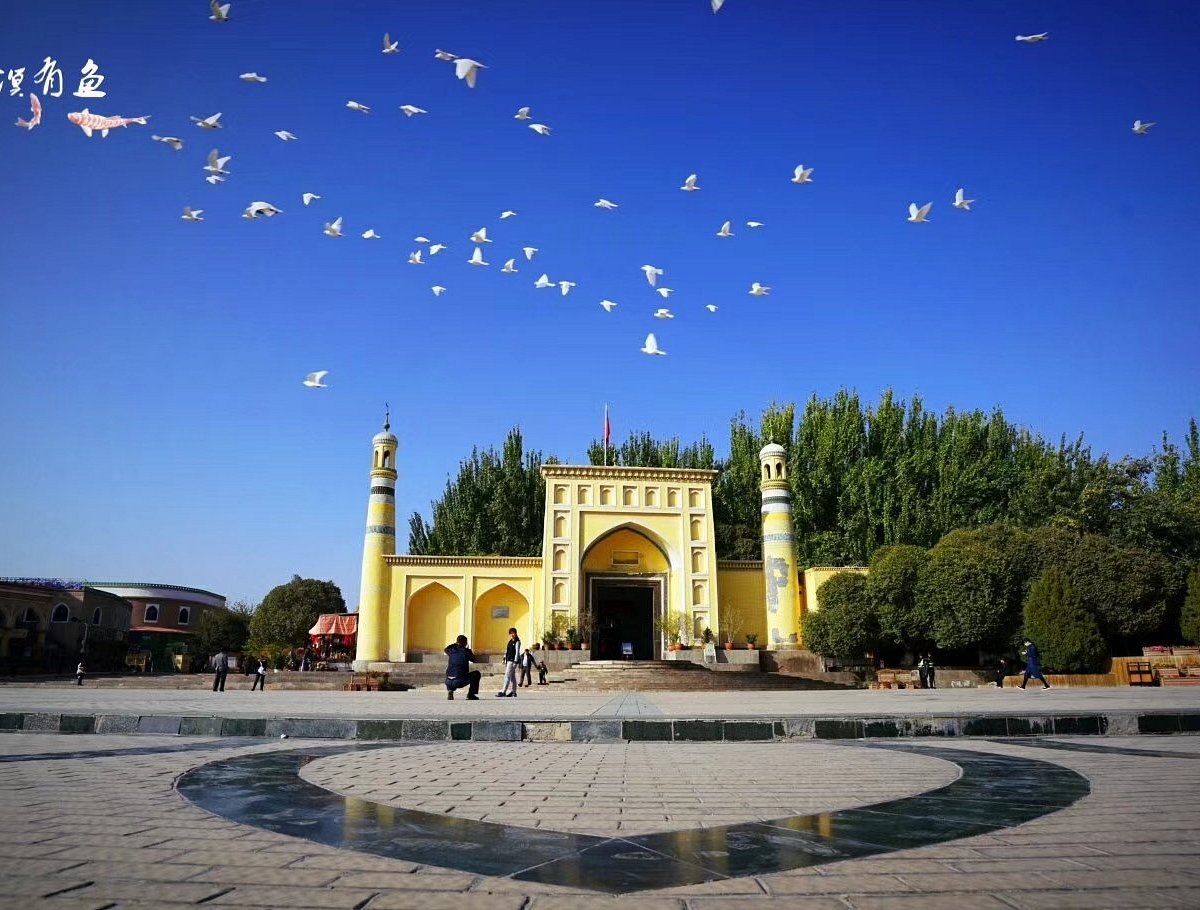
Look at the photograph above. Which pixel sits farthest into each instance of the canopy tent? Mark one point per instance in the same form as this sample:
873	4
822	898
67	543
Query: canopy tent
335	624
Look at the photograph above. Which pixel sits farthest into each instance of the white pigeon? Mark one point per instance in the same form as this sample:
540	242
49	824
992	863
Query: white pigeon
444	55
1142	128
420	240
369	234
608	305
208	123
390	46
436	248
217	165
414	258
802	174
252	77
540	128
1033	39
544	282
725	230
652	274
438	290
651	346
467	69
174	141
605	204
521	114
334	228
355	106
191	214
507	214
261	210
480	236
754	224
307	198
313	380
960	200
565	287
412	109
711	307
285	135
663	313
220	12
509	267
716	6
214	179
919	215
477	257
664	293
689	185
529	251
759	290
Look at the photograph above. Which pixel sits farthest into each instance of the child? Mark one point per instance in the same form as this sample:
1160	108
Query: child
79	674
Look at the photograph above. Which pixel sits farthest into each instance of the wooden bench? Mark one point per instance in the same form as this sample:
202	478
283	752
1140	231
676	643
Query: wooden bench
1141	673
367	682
898	679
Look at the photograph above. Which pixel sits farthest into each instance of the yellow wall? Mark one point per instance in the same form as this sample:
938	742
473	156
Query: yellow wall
817	576
600	557
435	618
491	635
742	589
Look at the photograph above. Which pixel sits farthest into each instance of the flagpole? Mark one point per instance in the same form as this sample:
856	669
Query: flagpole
604	433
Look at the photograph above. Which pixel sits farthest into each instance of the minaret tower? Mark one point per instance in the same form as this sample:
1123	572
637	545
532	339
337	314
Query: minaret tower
380	541
779	551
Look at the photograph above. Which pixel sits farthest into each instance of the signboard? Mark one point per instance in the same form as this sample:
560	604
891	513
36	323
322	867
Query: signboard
710	653
627	649
499	612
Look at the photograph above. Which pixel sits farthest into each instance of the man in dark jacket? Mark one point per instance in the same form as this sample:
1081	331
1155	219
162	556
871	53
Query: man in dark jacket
1033	666
458	670
220	671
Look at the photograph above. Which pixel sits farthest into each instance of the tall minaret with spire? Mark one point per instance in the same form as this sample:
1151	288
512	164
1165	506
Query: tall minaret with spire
380	541
779	551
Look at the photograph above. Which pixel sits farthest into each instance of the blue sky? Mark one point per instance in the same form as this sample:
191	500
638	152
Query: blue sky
155	426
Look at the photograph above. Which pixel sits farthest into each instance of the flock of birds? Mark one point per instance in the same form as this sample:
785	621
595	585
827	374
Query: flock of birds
466	70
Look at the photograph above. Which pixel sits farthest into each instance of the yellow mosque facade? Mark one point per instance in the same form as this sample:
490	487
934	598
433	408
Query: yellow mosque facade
628	560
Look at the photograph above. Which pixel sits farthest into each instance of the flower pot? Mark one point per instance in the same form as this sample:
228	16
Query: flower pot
728	646
750	646
558	646
587	646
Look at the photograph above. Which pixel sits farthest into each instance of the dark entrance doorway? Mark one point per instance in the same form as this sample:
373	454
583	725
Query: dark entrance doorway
623	611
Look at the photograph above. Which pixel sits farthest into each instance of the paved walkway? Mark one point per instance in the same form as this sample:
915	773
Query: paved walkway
94	822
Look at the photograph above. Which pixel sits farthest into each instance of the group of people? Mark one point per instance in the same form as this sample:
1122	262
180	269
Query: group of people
927	672
220	665
519	663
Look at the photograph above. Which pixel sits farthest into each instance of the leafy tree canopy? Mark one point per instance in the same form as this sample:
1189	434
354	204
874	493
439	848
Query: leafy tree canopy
1066	634
845	626
288	611
221	630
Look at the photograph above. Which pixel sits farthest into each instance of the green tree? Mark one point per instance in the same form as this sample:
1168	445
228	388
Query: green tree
221	630
892	589
961	596
1189	618
288	611
1128	590
845	626
1067	636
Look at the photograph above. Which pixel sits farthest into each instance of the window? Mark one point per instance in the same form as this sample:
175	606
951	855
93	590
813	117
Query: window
185	616
62	613
29	617
96	616
151	612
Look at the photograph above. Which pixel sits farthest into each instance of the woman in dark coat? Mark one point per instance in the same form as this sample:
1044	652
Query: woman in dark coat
1032	667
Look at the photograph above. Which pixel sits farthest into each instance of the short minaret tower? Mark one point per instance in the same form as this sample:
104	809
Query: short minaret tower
380	541
779	551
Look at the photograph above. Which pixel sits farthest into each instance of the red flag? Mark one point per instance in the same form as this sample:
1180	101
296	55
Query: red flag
607	428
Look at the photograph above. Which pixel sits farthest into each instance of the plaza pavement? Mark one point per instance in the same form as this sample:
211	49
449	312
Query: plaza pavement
94	823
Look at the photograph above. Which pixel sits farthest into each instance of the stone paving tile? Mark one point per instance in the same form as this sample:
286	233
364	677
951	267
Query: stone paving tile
39	886
9	902
958	901
1115	899
314	898
350	861
599	902
789	883
412	881
757	903
478	900
290	877
176	893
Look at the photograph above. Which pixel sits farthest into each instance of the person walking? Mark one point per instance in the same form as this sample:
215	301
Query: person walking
260	676
79	674
1033	667
542	673
1001	672
930	672
511	652
220	670
526	665
458	671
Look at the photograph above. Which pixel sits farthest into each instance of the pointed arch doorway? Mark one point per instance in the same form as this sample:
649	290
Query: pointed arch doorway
626	583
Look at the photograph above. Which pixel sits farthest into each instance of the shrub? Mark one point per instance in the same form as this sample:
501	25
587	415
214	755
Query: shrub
1189	620
845	626
1066	634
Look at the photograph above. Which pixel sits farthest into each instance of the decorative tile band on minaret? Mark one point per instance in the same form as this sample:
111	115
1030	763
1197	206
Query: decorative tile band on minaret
379	541
782	581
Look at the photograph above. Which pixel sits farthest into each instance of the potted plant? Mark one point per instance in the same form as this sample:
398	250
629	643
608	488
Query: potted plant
547	641
584	625
573	638
558	629
732	620
751	638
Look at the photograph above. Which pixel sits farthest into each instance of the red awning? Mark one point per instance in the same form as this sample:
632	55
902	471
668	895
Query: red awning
335	624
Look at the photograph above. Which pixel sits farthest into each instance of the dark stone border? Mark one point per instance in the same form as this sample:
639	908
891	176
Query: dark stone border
765	729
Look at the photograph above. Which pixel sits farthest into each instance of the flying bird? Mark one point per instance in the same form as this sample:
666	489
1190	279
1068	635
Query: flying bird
35	114
420	240
1142	128
261	210
480	236
689	185
411	109
565	287
725	230
509	267
369	234
285	135
605	204
217	165
390	46
802	174
1033	39
220	12
507	214
252	77
540	128
174	141
438	290
716	6
663	313
521	114
664	293
414	258
313	380
307	198
652	274
355	106
711	307
214	179
919	215
960	200
334	228
759	290
608	305
651	346
444	55
191	214
529	251
467	69
754	224
544	282
436	248
477	257
208	123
